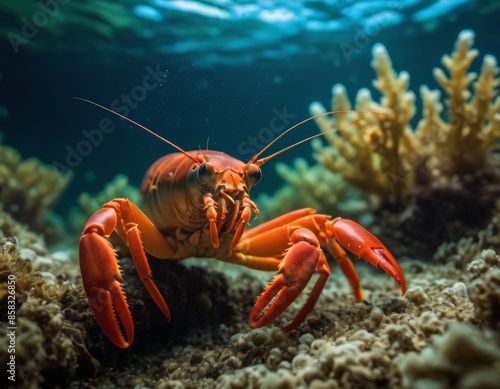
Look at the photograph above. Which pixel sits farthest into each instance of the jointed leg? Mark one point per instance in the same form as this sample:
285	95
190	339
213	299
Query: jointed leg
347	268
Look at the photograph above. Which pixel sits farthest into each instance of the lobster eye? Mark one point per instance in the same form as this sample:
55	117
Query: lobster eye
254	175
205	172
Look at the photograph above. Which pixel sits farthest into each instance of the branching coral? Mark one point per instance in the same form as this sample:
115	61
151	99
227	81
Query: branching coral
380	152
474	124
118	187
29	188
368	152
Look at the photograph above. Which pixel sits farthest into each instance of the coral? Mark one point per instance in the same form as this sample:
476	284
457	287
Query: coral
16	233
442	333
368	152
462	357
468	248
378	151
118	187
209	342
48	346
29	189
484	289
474	124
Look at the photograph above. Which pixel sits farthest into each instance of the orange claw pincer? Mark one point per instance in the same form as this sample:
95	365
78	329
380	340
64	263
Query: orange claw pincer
367	246
101	277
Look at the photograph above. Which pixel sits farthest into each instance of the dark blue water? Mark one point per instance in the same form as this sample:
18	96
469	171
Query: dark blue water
192	101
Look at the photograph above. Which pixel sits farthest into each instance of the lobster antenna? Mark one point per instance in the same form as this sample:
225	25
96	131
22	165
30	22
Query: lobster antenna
140	126
260	162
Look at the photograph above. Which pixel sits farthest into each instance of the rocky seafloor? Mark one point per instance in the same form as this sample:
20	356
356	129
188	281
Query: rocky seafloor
443	333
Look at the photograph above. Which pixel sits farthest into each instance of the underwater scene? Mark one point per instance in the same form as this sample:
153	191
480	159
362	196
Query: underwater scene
250	194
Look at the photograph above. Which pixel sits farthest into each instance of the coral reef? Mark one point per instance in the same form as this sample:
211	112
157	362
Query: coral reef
381	153
49	347
429	183
56	335
29	189
459	253
20	235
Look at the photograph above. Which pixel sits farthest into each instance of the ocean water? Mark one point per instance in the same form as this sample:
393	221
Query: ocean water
224	75
231	75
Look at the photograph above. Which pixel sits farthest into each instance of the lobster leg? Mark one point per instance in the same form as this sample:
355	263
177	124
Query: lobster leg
101	276
143	269
347	267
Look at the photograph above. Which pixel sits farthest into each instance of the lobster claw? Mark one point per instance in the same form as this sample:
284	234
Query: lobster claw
295	270
365	245
101	280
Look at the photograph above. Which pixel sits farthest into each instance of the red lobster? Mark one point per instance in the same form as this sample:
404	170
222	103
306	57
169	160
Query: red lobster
197	204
